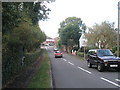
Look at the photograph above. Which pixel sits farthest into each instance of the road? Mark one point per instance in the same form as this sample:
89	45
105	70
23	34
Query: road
71	72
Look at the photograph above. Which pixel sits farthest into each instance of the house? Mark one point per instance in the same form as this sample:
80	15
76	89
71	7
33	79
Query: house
82	41
49	41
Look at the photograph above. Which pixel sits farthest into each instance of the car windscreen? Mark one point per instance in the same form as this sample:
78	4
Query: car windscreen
58	52
104	53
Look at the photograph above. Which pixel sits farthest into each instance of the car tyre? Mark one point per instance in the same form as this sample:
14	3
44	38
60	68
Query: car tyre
118	69
89	64
100	67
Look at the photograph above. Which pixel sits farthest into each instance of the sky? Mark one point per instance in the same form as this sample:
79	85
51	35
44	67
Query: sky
90	11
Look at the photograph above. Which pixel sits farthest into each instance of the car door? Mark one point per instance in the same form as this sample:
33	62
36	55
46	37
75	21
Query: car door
93	57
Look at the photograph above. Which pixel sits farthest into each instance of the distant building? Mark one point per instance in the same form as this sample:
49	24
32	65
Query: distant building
49	41
82	41
56	40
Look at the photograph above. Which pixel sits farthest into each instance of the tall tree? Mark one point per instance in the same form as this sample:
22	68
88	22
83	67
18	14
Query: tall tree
20	33
70	29
102	36
14	11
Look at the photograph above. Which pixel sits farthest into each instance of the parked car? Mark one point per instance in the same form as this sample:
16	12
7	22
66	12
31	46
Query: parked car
55	49
58	54
102	58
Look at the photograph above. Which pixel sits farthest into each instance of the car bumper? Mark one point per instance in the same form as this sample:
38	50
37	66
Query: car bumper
58	55
112	65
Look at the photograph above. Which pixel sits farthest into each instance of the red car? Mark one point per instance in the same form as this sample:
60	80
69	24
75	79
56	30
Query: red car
58	54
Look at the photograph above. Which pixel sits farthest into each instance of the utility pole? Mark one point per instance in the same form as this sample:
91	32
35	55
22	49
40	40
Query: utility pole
118	40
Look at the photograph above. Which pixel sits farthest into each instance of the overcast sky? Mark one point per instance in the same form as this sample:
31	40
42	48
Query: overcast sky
90	11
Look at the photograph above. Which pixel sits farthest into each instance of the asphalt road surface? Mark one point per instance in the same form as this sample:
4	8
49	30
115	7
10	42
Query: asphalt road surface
71	72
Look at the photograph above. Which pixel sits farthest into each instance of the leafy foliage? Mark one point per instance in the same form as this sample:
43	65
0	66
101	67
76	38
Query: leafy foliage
21	34
69	31
102	35
14	11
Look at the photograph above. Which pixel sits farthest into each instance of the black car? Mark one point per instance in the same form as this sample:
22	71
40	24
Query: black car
102	58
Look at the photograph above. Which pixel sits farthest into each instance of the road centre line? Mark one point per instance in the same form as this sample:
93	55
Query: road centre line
117	80
64	59
110	81
85	70
70	63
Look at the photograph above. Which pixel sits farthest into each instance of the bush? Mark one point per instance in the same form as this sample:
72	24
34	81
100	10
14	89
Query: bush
81	54
12	64
31	57
114	49
116	53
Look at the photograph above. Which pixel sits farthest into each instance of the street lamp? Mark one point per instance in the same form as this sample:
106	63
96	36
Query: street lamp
118	41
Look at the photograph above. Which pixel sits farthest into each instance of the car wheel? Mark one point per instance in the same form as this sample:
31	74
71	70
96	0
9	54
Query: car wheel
118	69
89	64
100	68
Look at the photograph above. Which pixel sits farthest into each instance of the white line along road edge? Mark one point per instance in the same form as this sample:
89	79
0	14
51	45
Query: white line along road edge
110	82
85	70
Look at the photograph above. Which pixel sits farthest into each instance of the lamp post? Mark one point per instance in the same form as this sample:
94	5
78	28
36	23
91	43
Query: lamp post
118	40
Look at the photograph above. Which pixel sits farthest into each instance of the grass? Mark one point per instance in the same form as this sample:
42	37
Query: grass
42	78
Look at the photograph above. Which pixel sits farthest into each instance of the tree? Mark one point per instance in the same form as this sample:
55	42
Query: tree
102	36
14	11
69	31
36	11
20	33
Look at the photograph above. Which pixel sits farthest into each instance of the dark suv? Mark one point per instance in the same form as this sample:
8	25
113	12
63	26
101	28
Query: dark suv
102	58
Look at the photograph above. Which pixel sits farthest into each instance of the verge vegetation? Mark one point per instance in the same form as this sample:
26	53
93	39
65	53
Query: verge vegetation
42	78
21	36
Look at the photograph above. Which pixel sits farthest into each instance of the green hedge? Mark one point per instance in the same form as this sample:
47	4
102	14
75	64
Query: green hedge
12	64
31	57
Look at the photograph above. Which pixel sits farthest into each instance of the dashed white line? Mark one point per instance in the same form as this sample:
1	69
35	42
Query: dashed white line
117	80
70	63
84	70
110	82
64	59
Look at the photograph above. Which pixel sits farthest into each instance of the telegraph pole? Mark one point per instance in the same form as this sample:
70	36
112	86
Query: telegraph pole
118	40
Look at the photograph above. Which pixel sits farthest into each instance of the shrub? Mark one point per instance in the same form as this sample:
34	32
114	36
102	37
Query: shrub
81	54
12	65
116	53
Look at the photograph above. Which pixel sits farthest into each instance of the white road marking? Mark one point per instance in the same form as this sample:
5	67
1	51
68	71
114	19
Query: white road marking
110	82
64	59
117	80
85	70
70	63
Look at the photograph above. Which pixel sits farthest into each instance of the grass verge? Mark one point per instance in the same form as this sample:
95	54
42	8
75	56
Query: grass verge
42	78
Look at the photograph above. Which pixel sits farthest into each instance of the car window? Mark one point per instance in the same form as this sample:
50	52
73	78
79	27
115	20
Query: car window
57	52
104	53
91	52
